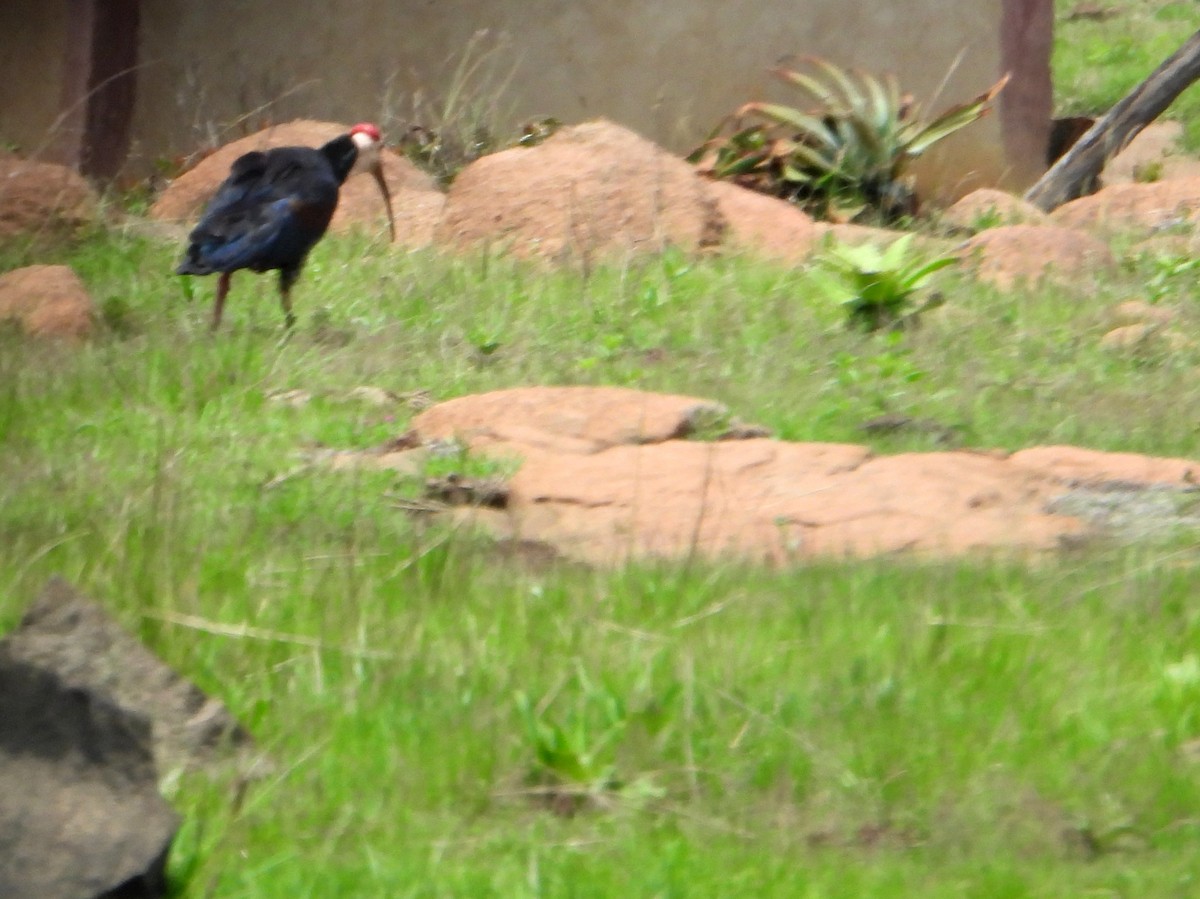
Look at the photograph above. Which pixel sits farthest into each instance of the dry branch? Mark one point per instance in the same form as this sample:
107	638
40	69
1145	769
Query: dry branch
1114	131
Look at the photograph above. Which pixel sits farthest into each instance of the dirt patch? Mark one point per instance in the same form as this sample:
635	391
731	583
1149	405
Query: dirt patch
1155	154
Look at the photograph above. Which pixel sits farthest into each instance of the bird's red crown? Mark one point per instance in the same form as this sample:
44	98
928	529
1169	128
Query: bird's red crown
368	129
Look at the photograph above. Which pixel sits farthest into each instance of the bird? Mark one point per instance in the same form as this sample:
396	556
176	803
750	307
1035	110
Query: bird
273	208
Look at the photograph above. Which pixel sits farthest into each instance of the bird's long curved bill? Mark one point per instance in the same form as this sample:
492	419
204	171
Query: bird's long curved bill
377	172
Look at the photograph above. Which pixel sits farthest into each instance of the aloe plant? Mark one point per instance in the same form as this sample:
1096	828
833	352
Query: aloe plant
878	288
853	150
574	755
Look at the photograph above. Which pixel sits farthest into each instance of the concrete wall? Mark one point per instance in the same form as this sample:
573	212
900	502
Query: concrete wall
33	36
216	69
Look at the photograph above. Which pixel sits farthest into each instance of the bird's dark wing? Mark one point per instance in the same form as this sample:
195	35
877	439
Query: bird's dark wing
246	176
254	235
267	214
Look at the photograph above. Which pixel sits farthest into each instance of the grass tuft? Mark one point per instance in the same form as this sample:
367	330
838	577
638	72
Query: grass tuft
442	721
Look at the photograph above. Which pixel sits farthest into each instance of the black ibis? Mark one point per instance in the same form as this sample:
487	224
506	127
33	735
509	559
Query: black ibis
274	207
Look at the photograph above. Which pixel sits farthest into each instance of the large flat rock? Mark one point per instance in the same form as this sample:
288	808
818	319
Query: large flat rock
564	419
608	476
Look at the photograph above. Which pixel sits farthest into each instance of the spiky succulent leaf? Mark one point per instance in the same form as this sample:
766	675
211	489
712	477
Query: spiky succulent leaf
740	165
894	256
851	259
917	276
819	91
851	92
951	120
820	164
711	143
897	108
868	143
806	125
884	113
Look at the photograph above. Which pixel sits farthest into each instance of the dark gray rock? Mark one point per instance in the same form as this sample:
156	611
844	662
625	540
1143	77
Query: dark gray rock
89	717
80	812
64	632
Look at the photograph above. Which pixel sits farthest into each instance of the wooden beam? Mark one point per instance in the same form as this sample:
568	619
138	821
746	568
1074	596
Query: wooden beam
99	84
1112	133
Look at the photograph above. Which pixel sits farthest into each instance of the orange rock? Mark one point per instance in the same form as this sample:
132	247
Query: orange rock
41	199
590	189
605	479
47	301
767	226
1012	254
1137	207
567	419
1076	465
1139	312
987	208
1128	337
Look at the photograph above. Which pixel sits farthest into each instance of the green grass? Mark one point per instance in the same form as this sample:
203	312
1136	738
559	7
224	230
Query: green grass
1099	61
976	728
432	708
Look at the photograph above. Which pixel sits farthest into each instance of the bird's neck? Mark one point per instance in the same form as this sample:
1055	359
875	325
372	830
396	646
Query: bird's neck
342	154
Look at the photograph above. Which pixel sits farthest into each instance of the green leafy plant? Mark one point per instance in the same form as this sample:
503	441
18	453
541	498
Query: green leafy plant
876	383
847	157
1148	172
878	288
118	316
987	219
1168	272
575	756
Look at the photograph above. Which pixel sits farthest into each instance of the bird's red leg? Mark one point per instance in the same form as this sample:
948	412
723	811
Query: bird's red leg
287	277
219	303
285	299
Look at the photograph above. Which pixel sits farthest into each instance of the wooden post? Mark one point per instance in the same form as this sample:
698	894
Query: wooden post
1111	134
1027	102
99	84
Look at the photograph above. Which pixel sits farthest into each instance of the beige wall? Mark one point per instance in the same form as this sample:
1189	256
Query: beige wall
32	43
668	70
